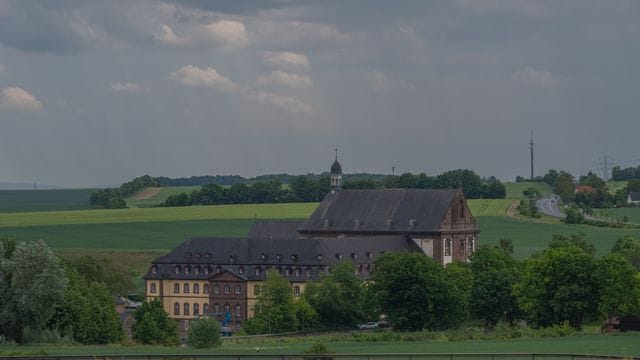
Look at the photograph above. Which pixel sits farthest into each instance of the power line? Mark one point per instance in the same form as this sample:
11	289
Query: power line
531	149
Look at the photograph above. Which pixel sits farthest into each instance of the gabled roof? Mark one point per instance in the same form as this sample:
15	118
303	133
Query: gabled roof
274	229
272	252
383	210
634	196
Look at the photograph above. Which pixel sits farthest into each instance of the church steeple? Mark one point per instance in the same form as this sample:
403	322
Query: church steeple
336	174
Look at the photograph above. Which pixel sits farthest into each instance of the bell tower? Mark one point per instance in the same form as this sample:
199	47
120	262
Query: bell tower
336	174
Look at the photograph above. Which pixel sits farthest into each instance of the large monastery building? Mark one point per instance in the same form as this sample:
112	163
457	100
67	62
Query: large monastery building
223	276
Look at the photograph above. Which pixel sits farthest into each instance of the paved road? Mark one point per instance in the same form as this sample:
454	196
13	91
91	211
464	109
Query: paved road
548	205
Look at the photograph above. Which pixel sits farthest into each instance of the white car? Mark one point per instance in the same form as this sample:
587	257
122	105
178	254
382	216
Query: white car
368	326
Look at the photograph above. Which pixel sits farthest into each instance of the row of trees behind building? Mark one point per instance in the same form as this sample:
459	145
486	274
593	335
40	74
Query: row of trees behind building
306	188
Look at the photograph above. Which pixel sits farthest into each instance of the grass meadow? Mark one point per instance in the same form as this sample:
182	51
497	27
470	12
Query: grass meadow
614	186
161	196
585	344
633	214
515	189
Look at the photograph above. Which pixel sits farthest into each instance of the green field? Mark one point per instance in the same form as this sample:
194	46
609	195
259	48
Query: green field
614	186
585	344
515	189
161	196
489	207
633	214
44	200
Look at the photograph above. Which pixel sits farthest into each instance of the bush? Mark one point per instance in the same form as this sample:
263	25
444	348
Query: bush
318	348
204	333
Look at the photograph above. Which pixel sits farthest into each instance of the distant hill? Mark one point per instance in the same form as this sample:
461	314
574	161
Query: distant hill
25	186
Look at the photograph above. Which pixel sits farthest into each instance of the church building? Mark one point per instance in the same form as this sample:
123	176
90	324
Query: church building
222	277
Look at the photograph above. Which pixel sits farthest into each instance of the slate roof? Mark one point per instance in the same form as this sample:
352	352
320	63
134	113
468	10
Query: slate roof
635	196
274	252
274	229
336	168
380	211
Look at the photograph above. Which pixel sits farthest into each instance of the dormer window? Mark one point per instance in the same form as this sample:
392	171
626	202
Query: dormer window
297	272
354	256
241	270
218	269
278	257
187	269
287	271
263	256
339	256
369	254
196	269
197	255
207	256
232	259
319	257
154	269
388	224
176	269
294	257
356	224
326	224
187	254
206	270
412	223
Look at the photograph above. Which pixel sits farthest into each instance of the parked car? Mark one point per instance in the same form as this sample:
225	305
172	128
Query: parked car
368	326
383	324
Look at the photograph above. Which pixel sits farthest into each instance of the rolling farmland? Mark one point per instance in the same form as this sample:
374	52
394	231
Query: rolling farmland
161	196
514	189
44	200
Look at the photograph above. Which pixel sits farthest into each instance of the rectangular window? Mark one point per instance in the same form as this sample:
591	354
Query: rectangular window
227	289
216	289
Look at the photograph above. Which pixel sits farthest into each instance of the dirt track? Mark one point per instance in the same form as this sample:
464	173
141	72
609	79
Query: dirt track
146	193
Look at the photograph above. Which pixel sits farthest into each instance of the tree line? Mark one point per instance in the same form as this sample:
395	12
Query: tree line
564	285
629	173
306	188
228	180
114	198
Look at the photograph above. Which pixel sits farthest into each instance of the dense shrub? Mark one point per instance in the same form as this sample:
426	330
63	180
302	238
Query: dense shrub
204	333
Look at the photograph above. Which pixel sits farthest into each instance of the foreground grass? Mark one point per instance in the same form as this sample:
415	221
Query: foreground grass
585	344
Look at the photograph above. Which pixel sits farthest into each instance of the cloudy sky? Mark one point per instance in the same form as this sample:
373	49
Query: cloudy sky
97	92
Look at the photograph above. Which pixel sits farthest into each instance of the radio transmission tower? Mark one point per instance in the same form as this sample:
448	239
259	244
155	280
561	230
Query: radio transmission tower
605	163
531	150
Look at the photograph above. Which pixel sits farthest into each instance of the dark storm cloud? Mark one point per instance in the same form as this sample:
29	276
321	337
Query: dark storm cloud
182	88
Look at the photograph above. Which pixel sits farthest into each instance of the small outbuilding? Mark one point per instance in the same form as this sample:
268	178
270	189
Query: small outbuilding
621	324
633	198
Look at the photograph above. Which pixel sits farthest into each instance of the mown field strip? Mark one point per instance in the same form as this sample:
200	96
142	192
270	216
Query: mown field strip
481	207
245	211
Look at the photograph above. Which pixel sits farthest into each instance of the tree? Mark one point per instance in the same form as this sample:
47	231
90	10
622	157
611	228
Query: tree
32	284
558	286
112	274
531	193
593	180
629	248
414	292
153	325
460	275
573	216
550	177
494	273
633	185
618	287
87	312
507	246
274	312
578	240
204	333
564	187
338	299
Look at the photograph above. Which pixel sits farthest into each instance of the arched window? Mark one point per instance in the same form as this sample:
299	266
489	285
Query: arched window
186	309
152	288
296	290
196	288
205	288
238	309
205	309
238	289
447	247
185	288
196	309
227	289
176	309
216	289
256	290
176	288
